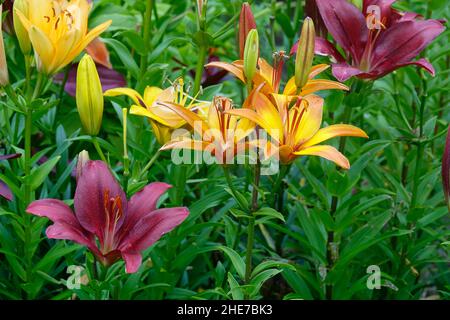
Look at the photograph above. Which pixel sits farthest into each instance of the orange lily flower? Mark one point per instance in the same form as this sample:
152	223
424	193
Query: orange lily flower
162	118
271	76
297	130
221	134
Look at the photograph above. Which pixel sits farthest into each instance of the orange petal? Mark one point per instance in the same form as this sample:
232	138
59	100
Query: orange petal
234	68
186	144
337	130
321	84
327	152
318	69
193	119
98	51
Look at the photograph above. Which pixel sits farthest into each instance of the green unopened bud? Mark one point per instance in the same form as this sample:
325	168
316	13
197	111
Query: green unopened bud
251	55
4	78
21	32
83	158
305	53
89	96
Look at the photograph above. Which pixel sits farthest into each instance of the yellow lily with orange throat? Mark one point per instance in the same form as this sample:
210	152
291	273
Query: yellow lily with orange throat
296	129
58	30
162	119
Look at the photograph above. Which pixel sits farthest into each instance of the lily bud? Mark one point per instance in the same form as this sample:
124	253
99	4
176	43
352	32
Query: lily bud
251	55
305	53
4	78
21	32
89	96
246	23
83	158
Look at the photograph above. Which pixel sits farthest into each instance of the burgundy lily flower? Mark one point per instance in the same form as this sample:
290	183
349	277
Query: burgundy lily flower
375	42
5	191
103	215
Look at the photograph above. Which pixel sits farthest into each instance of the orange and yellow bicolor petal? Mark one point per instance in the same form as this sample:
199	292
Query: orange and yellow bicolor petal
326	152
333	131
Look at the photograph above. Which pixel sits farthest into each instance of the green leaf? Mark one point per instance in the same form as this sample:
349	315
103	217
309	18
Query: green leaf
124	56
269	212
38	175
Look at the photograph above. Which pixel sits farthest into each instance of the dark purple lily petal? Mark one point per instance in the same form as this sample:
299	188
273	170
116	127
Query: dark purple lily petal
152	227
5	191
109	78
95	184
312	11
403	42
133	261
346	24
343	71
422	63
325	48
145	201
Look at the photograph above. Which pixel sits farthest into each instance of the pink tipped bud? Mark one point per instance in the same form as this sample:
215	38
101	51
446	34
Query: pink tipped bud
83	158
246	23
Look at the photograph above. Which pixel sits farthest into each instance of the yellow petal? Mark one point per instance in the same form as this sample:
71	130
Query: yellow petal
162	133
311	120
337	130
193	119
141	111
43	48
327	152
266	71
268	112
94	33
133	94
151	94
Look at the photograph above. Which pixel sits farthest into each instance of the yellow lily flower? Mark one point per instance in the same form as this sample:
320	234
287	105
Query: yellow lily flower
221	134
162	119
57	30
271	77
297	130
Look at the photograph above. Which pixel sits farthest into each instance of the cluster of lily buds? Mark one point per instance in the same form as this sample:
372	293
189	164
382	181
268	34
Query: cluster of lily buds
4	78
89	96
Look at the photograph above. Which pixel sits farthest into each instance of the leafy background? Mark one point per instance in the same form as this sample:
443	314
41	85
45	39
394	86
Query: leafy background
373	223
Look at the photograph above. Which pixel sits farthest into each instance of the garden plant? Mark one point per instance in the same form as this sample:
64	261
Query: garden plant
224	150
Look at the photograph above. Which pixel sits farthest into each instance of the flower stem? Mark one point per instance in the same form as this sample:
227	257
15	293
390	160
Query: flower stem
251	224
420	146
199	69
146	36
98	149
150	163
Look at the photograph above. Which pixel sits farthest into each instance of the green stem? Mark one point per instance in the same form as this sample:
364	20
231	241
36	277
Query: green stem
199	69
251	224
331	255
28	193
94	141
146	36
150	163
420	147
